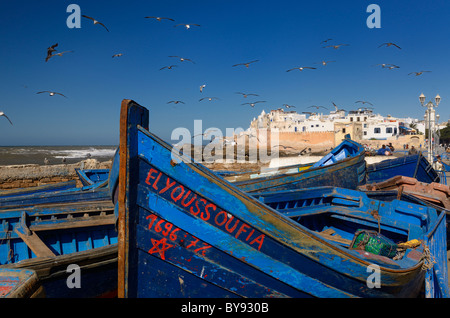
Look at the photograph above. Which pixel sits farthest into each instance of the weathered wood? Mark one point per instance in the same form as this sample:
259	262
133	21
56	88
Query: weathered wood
35	244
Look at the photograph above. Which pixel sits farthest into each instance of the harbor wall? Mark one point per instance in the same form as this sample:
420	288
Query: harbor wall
24	176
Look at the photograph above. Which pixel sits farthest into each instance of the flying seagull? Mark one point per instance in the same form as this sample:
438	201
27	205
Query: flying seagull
391	44
208	98
364	102
159	18
301	68
246	64
182	59
50	51
4	115
187	26
57	54
419	73
317	107
288	106
202	87
283	146
253	104
117	55
168	67
324	62
326	41
95	21
51	93
336	46
245	95
175	102
389	66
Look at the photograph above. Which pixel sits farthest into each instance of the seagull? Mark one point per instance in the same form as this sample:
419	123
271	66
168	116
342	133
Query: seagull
159	18
95	21
59	54
208	98
364	102
187	26
389	66
175	102
245	95
301	68
288	106
253	104
182	59
246	64
4	115
50	50
324	62
326	41
336	46
117	55
168	67
389	44
419	73
317	107
51	93
202	87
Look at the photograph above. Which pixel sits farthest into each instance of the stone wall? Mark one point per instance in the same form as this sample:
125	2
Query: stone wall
24	176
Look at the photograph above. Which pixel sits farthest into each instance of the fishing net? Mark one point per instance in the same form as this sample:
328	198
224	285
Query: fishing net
374	242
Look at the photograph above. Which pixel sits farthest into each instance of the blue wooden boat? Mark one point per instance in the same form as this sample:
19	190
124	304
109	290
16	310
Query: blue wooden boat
344	167
33	197
92	176
38	189
396	212
186	232
414	166
20	283
47	239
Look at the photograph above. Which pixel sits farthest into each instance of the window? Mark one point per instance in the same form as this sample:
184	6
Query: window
357	119
388	130
377	130
343	130
365	125
365	133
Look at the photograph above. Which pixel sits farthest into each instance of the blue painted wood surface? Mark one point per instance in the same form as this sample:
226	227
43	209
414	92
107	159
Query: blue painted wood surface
91	176
186	232
19	283
414	166
48	238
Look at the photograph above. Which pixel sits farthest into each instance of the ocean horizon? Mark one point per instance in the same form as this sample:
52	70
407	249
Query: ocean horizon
21	155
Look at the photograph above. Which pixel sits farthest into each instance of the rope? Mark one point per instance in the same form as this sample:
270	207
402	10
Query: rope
428	259
377	217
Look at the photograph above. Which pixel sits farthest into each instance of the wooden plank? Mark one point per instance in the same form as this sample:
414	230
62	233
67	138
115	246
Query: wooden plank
74	223
35	244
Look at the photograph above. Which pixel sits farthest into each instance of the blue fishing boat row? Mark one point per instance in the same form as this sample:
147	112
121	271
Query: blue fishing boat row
162	225
184	231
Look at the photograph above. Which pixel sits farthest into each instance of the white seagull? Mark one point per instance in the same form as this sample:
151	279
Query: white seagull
202	87
159	18
187	26
253	104
301	68
4	115
95	21
51	93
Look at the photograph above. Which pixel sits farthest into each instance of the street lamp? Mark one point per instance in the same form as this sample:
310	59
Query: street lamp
430	120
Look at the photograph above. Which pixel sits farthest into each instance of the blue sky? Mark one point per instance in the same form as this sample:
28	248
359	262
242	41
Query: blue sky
280	34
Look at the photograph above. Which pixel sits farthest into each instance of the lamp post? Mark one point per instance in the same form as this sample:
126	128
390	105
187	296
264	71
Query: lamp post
430	120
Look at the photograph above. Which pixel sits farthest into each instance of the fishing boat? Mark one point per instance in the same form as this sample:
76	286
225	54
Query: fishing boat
414	166
51	240
29	197
20	283
344	167
92	176
186	232
38	189
391	214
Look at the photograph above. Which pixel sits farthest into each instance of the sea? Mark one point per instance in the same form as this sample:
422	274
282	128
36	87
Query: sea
20	155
